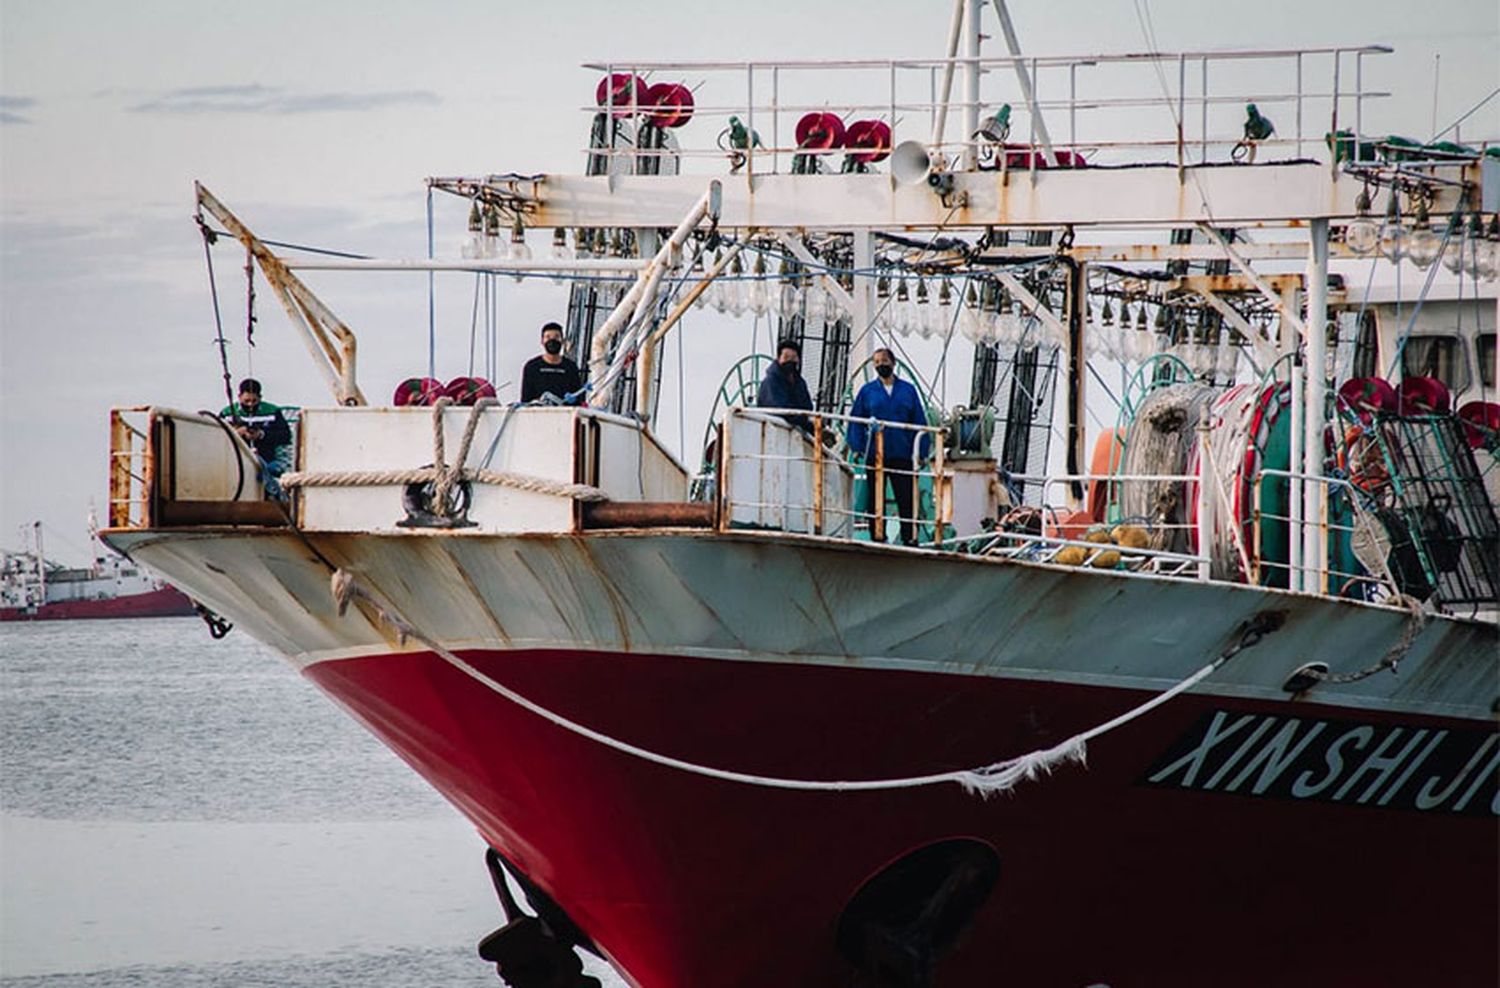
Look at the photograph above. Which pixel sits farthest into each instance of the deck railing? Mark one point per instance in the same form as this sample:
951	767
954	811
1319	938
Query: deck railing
1105	108
773	475
131	467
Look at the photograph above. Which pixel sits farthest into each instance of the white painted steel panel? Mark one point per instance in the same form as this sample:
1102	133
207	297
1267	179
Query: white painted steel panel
203	462
763	597
770	480
536	442
632	467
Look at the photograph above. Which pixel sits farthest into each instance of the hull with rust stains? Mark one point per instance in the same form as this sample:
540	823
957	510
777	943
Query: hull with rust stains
1239	834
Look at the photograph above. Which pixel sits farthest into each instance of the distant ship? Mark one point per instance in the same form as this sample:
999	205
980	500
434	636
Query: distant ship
33	588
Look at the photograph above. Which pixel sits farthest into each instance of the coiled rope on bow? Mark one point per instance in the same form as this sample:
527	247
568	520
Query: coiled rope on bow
443	476
986	780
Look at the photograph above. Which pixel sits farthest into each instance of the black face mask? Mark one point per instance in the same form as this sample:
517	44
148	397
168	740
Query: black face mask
553	346
885	370
790	368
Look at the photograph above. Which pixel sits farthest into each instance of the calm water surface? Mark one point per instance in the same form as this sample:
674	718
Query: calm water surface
176	811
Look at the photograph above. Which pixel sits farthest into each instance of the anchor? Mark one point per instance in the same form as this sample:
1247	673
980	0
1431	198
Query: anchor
533	951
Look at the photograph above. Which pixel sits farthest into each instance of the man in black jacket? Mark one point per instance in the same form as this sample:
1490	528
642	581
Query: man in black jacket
783	386
550	372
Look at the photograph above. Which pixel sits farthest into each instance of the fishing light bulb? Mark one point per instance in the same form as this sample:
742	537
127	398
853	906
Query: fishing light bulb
883	302
901	310
942	320
1008	326
969	321
518	250
473	245
817	302
923	322
836	303
734	290
971	324
1363	234
1142	345
491	246
1422	246
1458	244
759	296
1487	260
560	249
1393	235
583	240
790	301
695	274
715	290
1473	243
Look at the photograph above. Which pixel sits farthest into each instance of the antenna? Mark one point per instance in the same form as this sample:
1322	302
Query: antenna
1024	77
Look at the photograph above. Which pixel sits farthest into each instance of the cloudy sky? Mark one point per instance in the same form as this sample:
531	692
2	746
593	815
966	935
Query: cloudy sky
317	120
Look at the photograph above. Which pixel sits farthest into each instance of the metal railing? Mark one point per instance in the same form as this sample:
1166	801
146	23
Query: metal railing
1101	97
1047	546
800	477
131	467
1318	575
861	512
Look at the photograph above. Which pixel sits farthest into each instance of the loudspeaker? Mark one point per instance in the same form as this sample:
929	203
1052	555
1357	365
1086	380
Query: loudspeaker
910	163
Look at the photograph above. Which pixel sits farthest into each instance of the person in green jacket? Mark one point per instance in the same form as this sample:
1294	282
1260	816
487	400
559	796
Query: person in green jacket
263	426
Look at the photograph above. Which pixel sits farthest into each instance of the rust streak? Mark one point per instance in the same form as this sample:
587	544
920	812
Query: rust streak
688	589
484	607
606	586
833	624
561	614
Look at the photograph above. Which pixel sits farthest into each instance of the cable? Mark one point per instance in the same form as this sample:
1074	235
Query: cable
213	286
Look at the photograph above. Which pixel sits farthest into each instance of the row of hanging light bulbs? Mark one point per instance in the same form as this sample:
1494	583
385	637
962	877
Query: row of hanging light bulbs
1131	337
485	240
1472	248
984	312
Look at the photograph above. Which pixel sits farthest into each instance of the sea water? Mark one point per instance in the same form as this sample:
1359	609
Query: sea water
177	811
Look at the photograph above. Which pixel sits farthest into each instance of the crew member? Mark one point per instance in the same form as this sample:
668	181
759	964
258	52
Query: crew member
264	427
550	373
783	386
890	399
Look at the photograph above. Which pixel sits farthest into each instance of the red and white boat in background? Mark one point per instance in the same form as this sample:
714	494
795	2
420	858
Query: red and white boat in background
32	588
721	729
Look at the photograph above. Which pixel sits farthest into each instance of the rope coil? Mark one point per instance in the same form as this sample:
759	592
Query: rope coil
985	780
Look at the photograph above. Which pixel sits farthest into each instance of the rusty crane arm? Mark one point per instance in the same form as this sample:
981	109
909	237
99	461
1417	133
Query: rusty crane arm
330	342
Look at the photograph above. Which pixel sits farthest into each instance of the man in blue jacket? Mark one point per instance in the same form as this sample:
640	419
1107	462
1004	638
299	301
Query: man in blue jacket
783	386
889	399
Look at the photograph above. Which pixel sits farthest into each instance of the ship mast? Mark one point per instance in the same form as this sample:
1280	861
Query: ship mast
41	564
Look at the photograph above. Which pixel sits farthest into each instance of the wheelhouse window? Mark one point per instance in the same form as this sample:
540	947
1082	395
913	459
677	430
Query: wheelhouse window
1484	348
1367	347
1441	357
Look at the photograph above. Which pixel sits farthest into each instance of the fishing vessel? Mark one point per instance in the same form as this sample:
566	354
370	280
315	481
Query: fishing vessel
34	588
1202	689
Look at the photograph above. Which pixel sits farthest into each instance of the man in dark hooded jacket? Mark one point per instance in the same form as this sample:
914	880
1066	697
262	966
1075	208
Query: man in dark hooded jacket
783	386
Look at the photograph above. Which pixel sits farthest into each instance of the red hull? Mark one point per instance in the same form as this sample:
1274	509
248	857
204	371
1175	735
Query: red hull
165	602
688	881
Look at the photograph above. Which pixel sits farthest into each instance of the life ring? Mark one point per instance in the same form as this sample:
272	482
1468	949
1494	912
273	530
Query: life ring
1360	459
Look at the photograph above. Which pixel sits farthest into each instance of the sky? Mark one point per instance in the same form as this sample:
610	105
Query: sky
318	120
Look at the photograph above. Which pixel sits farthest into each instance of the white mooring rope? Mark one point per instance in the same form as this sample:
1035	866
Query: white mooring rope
985	780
